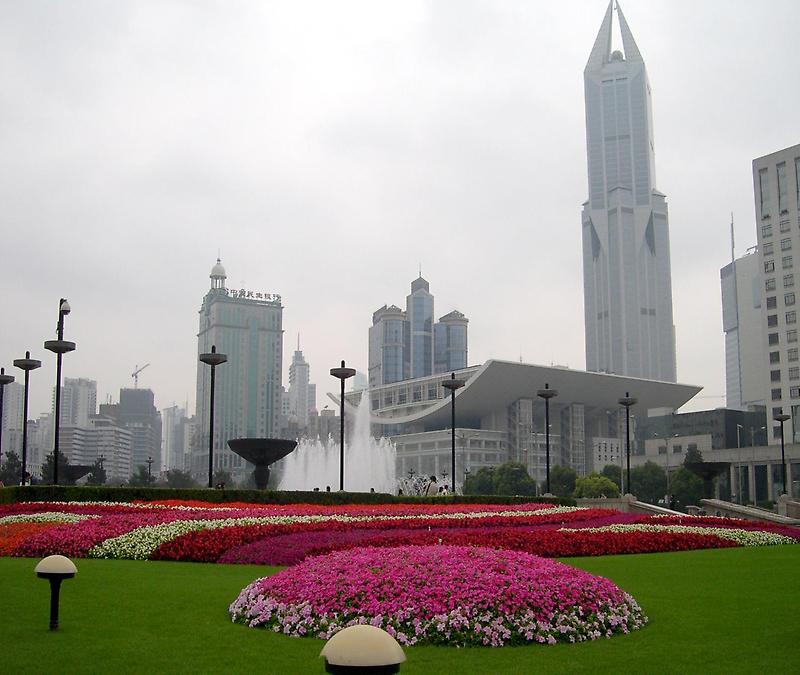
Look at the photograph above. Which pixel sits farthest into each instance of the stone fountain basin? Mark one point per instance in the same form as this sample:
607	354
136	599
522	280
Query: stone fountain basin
262	451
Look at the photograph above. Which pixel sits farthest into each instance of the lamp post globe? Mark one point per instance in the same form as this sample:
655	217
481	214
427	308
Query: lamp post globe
342	373
452	384
213	359
59	347
547	394
27	365
782	418
4	380
627	401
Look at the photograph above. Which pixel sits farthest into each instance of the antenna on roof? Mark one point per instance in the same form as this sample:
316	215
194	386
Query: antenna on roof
733	256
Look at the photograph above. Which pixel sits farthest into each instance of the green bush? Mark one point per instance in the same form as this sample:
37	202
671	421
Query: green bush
36	493
595	485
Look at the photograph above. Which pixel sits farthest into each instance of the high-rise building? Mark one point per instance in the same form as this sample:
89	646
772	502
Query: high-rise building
776	181
299	373
247	327
136	412
78	401
408	344
12	421
173	438
745	339
626	257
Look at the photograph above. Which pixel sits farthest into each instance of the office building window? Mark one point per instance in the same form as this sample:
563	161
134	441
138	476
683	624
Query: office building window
788	280
785	226
763	190
766	231
774	357
791	336
786	261
788	298
794	373
767	249
772	302
794	392
782	189
793	354
769	284
774	375
786	244
791	317
776	394
772	338
772	320
769	266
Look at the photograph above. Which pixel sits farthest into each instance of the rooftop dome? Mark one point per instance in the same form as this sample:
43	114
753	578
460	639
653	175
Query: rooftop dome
616	55
218	270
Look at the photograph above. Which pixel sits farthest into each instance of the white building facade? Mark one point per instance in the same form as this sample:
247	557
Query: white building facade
776	182
626	253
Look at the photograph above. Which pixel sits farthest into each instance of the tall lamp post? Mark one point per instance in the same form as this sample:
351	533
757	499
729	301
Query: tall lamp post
342	373
27	364
212	359
547	394
739	429
628	401
4	380
59	347
782	417
452	384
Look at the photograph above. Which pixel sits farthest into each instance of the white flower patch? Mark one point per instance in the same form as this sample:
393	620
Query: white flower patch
46	517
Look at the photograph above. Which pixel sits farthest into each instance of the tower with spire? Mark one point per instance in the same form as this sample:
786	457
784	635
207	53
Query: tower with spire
626	257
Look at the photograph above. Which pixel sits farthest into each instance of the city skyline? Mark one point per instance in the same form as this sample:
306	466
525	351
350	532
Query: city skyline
300	159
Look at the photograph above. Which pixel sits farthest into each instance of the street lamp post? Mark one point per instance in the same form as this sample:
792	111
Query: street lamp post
452	384
342	373
59	347
212	359
547	394
149	467
782	417
739	428
628	401
4	380
27	364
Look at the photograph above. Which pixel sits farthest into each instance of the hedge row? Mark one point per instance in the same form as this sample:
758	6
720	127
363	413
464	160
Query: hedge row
75	493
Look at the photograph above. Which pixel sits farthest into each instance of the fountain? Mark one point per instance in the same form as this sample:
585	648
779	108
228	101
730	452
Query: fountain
368	463
262	452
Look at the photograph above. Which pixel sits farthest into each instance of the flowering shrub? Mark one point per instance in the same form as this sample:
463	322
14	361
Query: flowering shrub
442	595
12	534
740	536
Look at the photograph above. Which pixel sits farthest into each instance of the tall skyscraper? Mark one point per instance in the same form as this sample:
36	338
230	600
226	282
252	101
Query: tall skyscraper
742	292
247	327
78	401
173	437
299	387
626	259
408	344
12	421
136	412
776	181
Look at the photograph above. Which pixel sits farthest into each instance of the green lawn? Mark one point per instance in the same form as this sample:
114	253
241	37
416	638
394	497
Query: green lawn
724	611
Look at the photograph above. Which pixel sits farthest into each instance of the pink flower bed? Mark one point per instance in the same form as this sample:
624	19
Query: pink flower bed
451	595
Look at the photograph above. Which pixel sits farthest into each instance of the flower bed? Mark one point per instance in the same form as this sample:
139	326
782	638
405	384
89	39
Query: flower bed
284	535
452	595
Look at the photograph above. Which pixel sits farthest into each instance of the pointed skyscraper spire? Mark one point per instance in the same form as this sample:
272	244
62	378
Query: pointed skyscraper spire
628	43
602	44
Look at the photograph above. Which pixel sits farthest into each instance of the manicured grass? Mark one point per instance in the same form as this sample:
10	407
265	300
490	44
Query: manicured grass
712	611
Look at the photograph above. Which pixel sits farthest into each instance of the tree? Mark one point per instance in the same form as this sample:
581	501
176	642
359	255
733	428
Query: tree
686	487
512	478
649	482
141	477
47	468
595	485
180	479
98	474
693	456
562	480
481	482
614	473
11	469
222	477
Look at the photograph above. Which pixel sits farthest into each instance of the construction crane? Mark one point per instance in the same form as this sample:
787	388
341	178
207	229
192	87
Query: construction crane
135	374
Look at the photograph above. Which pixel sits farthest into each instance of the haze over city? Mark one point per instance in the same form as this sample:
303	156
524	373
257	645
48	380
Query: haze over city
328	151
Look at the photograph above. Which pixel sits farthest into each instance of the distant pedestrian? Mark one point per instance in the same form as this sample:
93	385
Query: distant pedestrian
433	488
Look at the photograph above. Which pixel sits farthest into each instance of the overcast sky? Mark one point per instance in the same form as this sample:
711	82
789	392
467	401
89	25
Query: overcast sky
328	149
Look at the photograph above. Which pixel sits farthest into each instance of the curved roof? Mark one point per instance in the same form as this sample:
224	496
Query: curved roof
498	384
